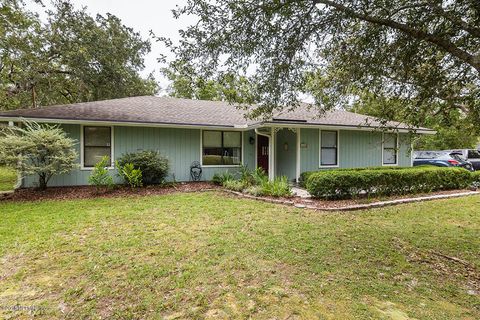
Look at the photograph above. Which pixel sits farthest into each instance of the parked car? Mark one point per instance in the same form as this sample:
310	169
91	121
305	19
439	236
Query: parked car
440	159
472	155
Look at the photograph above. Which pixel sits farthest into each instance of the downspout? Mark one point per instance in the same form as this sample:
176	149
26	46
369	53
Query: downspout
261	134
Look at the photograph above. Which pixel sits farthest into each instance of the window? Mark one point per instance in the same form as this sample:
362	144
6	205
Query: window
221	148
97	143
390	148
328	148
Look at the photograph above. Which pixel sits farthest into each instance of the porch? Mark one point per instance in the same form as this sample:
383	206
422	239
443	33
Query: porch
277	151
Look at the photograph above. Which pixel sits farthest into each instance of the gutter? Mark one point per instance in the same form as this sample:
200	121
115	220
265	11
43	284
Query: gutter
332	127
293	124
261	133
124	123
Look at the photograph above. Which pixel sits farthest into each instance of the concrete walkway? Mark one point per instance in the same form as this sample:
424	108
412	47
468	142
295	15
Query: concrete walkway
300	192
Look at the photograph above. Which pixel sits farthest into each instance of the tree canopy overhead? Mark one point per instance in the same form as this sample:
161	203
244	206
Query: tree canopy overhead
70	57
185	83
423	52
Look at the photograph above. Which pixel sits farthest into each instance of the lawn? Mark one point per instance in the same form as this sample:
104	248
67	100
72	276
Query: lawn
8	179
207	255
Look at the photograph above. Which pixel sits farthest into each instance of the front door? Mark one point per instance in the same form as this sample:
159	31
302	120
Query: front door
262	152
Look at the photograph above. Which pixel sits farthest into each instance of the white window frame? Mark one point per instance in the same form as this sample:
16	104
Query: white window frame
320	149
222	165
82	146
397	149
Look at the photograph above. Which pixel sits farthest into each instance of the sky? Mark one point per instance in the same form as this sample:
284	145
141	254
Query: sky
142	16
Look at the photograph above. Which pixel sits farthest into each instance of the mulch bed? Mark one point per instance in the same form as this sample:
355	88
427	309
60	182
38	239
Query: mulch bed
89	192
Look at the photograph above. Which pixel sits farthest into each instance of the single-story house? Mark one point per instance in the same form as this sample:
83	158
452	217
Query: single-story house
219	137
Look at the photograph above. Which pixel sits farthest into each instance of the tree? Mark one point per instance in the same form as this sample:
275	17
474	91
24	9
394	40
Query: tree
43	150
71	57
185	83
423	51
454	131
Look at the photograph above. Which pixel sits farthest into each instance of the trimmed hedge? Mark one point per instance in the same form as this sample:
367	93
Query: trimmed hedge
345	184
305	175
476	179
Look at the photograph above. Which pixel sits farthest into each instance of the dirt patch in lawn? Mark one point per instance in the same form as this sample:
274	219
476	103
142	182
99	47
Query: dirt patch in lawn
87	192
444	265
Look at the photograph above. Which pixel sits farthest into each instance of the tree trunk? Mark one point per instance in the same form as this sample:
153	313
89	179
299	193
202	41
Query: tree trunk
42	182
34	97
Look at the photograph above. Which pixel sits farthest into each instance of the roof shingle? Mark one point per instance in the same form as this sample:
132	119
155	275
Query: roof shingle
175	111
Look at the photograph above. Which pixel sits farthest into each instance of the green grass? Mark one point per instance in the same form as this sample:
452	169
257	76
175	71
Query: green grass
196	256
8	179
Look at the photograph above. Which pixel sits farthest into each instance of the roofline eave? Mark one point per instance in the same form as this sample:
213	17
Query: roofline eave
338	126
239	127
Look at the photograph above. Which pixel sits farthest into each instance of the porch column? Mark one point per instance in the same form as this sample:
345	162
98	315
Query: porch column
297	162
271	158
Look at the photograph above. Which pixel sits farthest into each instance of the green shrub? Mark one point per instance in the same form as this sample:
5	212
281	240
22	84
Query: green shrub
100	177
246	176
40	149
220	178
259	176
476	179
344	184
305	175
153	166
256	191
235	185
256	183
132	176
279	187
252	178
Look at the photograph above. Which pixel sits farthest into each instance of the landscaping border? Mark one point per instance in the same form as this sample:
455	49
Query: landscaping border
356	207
86	192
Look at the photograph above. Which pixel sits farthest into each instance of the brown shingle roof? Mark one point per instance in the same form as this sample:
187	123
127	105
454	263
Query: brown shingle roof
175	111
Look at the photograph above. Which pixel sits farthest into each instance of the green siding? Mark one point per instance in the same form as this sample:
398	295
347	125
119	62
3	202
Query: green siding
364	149
309	152
286	159
405	150
356	149
180	146
360	149
249	149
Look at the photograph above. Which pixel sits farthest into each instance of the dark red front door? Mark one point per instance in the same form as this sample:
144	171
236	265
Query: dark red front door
262	152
